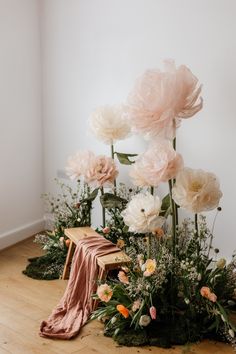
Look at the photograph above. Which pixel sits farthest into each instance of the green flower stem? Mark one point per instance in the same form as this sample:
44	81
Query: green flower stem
152	190
113	157
103	210
176	209
197	233
173	213
148	245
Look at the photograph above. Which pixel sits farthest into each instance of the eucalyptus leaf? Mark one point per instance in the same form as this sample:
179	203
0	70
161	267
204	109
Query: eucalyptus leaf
124	159
109	200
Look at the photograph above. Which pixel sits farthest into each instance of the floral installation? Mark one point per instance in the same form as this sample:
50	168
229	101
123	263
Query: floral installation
175	289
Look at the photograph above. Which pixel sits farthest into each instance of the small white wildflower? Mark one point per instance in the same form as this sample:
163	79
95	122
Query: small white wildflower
144	320
113	320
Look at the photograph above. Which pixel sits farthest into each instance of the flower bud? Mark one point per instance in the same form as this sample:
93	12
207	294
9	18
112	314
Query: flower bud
153	312
231	333
221	263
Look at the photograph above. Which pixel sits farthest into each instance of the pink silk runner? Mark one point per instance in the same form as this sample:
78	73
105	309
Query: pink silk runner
76	305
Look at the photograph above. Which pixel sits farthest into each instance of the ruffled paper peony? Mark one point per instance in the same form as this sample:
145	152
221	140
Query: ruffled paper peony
196	190
101	172
109	124
142	213
158	164
78	164
160	99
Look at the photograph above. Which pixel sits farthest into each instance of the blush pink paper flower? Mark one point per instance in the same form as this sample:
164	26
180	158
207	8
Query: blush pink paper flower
101	172
160	99
153	312
78	164
158	164
123	277
104	292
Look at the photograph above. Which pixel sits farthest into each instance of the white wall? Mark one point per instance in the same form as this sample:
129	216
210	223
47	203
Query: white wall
21	181
94	50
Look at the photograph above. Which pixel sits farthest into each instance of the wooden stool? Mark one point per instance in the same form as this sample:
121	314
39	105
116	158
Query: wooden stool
105	263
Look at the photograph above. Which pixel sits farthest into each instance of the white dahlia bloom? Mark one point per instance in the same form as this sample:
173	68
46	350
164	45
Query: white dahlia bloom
196	190
109	124
142	213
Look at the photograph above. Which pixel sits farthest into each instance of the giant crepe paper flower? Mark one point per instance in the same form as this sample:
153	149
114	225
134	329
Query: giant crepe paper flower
160	99
158	164
109	124
101	172
77	164
196	190
142	213
104	292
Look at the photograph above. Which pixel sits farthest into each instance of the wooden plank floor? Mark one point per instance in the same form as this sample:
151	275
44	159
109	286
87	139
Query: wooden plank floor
25	302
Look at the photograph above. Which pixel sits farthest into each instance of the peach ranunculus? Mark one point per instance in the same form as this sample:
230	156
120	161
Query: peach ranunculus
150	267
206	292
109	123
196	190
160	99
123	310
104	292
142	213
78	164
158	164
123	277
101	172
212	297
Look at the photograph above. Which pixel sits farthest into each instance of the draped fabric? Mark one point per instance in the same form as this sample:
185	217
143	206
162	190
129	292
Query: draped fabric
76	305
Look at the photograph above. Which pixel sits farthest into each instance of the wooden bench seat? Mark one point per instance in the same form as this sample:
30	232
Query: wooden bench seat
105	263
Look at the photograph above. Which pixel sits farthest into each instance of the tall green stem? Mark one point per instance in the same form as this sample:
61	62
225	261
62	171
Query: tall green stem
103	211
113	157
173	213
197	234
176	208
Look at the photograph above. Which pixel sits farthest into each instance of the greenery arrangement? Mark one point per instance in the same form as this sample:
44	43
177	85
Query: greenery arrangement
70	208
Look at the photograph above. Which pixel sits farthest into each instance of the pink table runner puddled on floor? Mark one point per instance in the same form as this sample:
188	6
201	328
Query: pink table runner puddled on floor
76	305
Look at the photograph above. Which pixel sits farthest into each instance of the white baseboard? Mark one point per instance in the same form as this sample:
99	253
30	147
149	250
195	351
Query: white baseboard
19	234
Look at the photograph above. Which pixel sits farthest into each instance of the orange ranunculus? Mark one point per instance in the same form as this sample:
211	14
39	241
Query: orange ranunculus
205	291
123	310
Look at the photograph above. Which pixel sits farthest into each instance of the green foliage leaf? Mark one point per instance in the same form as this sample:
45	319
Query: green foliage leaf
165	206
109	200
92	196
124	159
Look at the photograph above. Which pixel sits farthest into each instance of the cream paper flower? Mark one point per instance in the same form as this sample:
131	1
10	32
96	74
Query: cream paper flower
196	190
142	213
158	164
78	163
109	124
161	98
